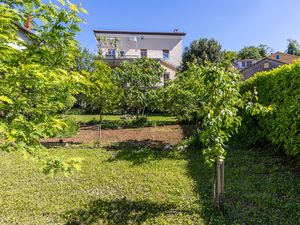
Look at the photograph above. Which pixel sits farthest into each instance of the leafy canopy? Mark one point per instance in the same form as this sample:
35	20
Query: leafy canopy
211	94
140	80
253	52
201	51
37	83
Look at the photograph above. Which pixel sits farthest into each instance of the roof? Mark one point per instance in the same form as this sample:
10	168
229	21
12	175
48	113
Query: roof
259	61
24	29
284	57
138	32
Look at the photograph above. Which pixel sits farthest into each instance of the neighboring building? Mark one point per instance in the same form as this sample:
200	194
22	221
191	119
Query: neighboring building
271	62
244	63
165	47
23	34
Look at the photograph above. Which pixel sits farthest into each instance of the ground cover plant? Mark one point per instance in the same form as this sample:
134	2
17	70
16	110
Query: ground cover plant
123	121
140	183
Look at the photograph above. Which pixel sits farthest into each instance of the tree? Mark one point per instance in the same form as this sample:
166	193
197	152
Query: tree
37	83
140	80
84	60
201	51
253	52
101	90
293	47
211	93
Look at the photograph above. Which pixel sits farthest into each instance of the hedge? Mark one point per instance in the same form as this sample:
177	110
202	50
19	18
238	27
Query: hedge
281	88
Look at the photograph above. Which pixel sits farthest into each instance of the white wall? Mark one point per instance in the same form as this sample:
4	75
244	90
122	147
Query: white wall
155	44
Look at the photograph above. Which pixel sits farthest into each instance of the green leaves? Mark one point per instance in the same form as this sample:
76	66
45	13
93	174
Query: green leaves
5	99
280	89
140	80
36	83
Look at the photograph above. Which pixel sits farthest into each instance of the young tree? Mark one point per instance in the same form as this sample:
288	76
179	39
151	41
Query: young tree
201	51
293	47
37	83
101	90
211	93
140	80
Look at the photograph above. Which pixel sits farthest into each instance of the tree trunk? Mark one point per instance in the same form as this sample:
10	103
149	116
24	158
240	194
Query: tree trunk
218	187
99	128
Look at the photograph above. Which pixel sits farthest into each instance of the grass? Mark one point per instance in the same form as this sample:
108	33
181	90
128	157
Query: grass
88	118
131	183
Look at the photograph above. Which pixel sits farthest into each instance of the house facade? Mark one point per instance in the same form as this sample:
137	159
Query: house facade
271	62
244	63
165	47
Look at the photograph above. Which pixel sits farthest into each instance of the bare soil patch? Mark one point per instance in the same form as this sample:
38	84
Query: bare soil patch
165	134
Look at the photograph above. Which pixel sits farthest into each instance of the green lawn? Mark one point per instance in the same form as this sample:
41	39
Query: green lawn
88	118
138	185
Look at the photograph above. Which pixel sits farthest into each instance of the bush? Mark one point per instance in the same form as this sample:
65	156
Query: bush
70	128
280	87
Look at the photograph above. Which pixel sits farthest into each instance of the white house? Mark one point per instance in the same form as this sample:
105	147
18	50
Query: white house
23	35
165	47
244	63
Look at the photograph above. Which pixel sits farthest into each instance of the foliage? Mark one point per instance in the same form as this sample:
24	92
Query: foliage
139	184
253	52
70	128
115	122
201	51
293	47
211	95
280	87
140	80
229	57
36	83
183	96
100	88
84	60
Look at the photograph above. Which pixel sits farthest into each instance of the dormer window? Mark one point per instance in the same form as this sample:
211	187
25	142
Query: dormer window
166	54
277	57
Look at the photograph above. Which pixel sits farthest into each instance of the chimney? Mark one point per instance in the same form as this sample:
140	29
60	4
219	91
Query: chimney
28	22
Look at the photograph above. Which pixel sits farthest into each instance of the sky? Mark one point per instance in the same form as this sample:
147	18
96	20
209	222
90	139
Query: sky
233	23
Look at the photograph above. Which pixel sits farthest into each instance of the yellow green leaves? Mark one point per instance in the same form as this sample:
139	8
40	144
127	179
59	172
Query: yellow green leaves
62	2
5	99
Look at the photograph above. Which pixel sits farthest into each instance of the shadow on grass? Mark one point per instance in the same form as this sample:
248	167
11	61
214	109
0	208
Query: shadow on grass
122	211
139	152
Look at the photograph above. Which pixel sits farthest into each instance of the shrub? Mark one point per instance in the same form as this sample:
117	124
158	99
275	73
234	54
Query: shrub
280	87
70	127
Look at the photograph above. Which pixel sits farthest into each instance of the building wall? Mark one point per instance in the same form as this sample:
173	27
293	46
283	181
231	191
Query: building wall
155	44
260	67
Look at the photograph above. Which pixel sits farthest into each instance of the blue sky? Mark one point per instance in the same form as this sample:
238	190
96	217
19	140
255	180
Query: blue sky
234	23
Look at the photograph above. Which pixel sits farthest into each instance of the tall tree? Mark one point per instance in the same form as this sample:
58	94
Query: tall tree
140	80
84	60
37	83
253	52
201	51
293	47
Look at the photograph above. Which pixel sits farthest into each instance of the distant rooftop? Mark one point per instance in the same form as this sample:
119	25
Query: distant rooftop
176	33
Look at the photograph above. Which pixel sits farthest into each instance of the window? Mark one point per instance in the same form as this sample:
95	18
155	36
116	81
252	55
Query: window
166	78
111	53
277	57
143	52
249	63
266	65
243	64
166	54
122	53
